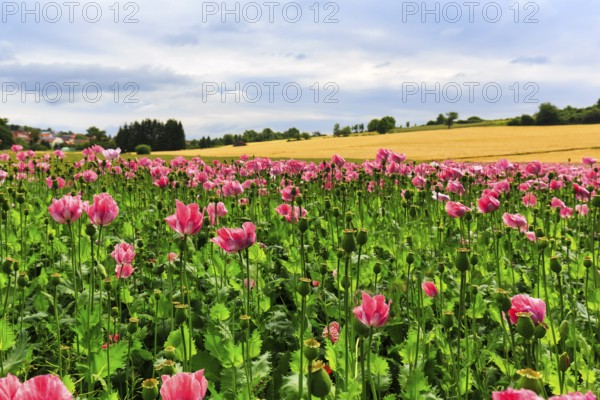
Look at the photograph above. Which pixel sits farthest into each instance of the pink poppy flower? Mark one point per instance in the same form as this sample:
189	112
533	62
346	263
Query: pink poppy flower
373	311
9	386
233	240
43	387
456	209
67	209
531	236
123	253
332	331
487	203
232	188
566	212
172	257
338	160
187	220
589	161
524	303
582	209
215	211
289	214
515	221
557	203
429	288
515	394
124	271
184	386
103	211
529	200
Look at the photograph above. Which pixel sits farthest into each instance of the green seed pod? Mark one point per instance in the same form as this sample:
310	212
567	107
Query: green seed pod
448	319
181	313
587	261
244	322
323	269
320	383
377	268
362	237
503	300
311	349
555	265
167	367
542	243
531	380
90	230
540	331
157	294
55	279
462	260
107	283
7	266
410	258
132	327
304	287
327	203
474	259
23	279
149	389
303	224
170	352
348	242
525	325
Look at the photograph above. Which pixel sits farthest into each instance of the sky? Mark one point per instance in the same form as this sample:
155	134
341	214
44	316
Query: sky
225	67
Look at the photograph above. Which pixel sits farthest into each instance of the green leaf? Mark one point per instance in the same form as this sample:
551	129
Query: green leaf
18	356
219	312
331	355
176	341
7	336
126	296
504	365
257	254
255	344
117	353
68	382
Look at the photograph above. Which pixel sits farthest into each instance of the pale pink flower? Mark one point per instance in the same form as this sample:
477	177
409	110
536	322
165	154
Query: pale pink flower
332	331
184	386
373	311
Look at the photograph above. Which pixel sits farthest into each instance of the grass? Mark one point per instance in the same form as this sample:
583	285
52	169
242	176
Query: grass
564	143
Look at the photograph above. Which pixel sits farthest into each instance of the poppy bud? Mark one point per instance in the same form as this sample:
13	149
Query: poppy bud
377	268
55	279
540	331
107	284
244	321
410	258
180	313
503	300
90	230
157	294
133	325
587	261
474	259
555	265
564	362
303	224
563	330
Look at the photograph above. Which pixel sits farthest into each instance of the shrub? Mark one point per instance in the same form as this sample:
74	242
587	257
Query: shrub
142	149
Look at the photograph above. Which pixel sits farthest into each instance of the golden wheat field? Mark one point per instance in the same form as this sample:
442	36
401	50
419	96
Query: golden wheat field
567	143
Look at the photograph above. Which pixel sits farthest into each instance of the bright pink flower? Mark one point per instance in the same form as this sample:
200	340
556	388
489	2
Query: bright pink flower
429	288
566	212
455	187
124	271
289	214
103	211
9	386
534	168
184	386
502	187
43	387
529	200
89	176
531	236
214	212
515	221
588	161
456	209
16	148
286	193
332	331
232	188
419	182
162	182
581	193
515	394
557	203
338	160
233	240
524	303
487	203
582	209
172	257
373	311
575	396
187	220
67	209
556	185
123	253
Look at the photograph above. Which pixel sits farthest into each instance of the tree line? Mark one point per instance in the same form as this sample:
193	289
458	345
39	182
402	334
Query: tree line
156	134
549	114
250	136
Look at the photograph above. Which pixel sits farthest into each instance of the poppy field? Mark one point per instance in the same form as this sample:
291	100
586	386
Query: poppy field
125	277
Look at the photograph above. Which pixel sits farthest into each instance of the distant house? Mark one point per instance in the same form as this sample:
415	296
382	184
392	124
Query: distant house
21	135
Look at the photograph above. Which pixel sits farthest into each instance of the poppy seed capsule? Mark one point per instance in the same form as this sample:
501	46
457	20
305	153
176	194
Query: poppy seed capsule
180	313
462	260
362	237
525	325
311	349
531	380
555	265
244	321
303	224
304	287
22	279
133	325
55	279
587	262
377	268
540	331
503	300
348	242
90	230
410	258
149	389
320	383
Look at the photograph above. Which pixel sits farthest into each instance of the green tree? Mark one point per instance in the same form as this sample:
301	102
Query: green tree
527	120
336	129
372	125
451	117
548	114
97	136
6	139
386	124
441	120
346	131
